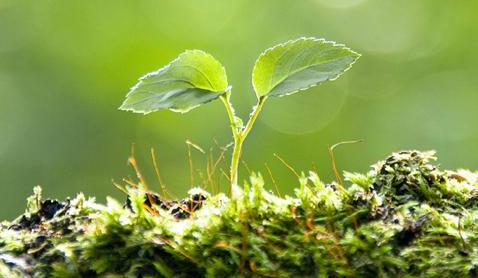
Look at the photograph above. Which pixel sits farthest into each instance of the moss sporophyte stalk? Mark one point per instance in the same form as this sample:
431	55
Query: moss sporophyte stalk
195	78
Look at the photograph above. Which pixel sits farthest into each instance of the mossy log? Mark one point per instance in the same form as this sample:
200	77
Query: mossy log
404	218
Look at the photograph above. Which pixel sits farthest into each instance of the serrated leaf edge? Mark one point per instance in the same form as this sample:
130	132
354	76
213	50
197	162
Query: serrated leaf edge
358	55
149	74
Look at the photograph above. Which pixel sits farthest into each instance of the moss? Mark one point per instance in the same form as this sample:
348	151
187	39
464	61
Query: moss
404	218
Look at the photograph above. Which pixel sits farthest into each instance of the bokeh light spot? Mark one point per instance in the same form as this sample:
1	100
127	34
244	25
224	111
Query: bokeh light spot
443	105
308	111
376	78
11	115
387	28
341	4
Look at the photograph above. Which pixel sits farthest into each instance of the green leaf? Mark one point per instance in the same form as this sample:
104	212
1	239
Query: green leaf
300	64
190	80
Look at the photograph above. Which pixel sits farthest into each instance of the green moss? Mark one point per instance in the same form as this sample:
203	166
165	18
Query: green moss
405	218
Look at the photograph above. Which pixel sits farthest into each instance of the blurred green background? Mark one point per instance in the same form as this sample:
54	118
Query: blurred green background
65	67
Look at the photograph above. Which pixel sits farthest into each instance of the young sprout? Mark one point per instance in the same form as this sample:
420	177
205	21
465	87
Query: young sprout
195	78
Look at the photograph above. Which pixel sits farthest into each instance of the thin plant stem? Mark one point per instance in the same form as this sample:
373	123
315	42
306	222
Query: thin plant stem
239	133
236	156
230	112
334	162
158	174
253	116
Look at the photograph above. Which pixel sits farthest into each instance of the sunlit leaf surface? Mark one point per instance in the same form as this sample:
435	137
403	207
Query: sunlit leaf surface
192	79
297	65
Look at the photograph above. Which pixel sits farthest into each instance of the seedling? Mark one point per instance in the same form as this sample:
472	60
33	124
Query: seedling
195	78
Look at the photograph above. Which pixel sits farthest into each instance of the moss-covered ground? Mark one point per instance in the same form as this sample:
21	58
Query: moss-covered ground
404	218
